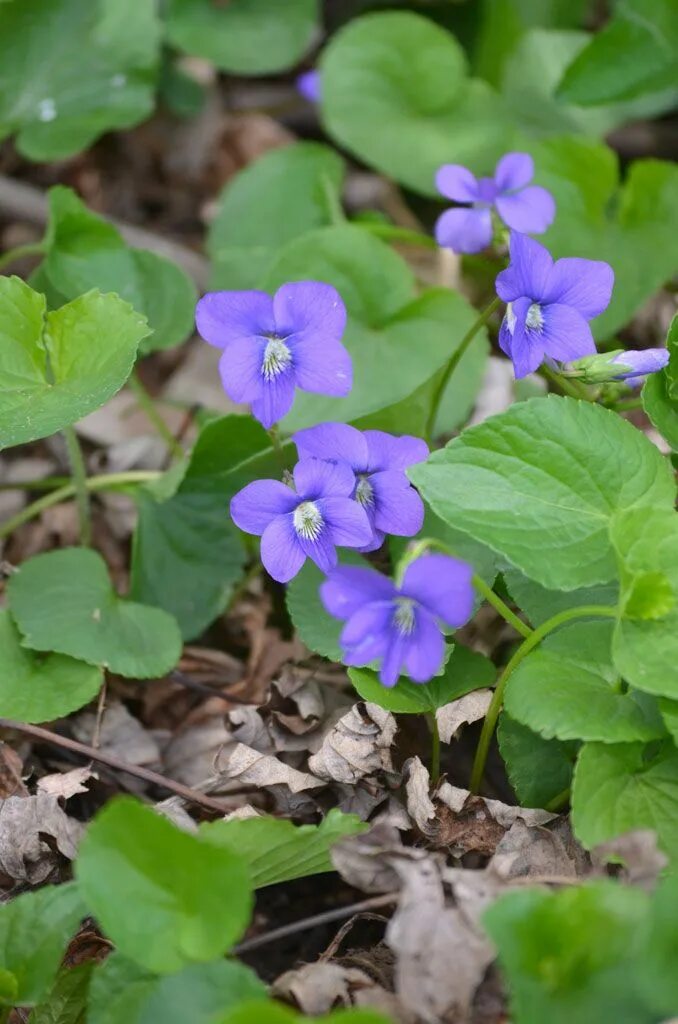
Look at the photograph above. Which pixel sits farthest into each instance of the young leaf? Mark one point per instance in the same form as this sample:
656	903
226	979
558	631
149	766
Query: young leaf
57	368
67	999
245	37
35	688
63	601
84	251
276	850
540	604
99	76
185	900
293	190
539	770
35	928
541	483
660	398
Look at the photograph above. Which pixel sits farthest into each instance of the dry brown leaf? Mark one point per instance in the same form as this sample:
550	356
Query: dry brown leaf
31	828
641	859
357	746
420	807
532	852
11	768
242	764
121	735
365	861
467	709
320	987
191	755
64	785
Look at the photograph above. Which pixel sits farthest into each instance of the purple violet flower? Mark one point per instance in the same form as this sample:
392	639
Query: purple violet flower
549	304
308	86
634	363
379	461
400	625
523	207
309	521
272	345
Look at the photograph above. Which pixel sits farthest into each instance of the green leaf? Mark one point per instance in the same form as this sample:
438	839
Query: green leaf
121	992
246	37
634	53
646	649
35	688
187	555
398	342
67	999
57	368
568	956
35	929
464	671
460	545
100	74
659	404
292	189
540	604
396	94
184	899
539	770
84	251
317	628
569	689
63	601
540	483
278	851
626	786
655	968
268	1012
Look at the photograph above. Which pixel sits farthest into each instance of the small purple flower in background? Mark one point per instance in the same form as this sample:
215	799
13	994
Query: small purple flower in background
379	461
523	207
634	363
272	345
549	304
309	521
400	625
308	86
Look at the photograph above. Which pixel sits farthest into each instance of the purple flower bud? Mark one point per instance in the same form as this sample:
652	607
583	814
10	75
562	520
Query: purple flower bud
635	363
523	207
308	86
272	345
400	626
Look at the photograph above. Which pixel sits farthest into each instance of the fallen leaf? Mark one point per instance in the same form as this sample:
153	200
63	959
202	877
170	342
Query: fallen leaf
420	807
357	746
366	861
64	785
191	755
638	854
31	830
11	768
240	763
121	735
463	711
531	852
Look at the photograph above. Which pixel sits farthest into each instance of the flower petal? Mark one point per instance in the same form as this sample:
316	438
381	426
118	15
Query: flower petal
366	635
527	351
584	284
275	399
425	648
514	170
335	442
398	509
281	551
464	230
531	210
528	271
308	86
347	521
441	584
321	365
224	317
566	335
393	659
253	508
315	478
387	451
321	550
240	369
505	338
458	183
350	587
309	307
378	537
636	363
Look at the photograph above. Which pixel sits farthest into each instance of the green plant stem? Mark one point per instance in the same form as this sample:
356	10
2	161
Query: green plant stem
274	435
47	483
454	362
501	607
108	481
435	748
32	249
584	611
558	801
79	475
627	404
569	387
148	405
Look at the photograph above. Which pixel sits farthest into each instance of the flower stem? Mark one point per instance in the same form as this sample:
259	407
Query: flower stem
32	249
274	434
572	388
79	476
108	481
454	362
626	404
435	748
558	801
501	607
148	405
583	611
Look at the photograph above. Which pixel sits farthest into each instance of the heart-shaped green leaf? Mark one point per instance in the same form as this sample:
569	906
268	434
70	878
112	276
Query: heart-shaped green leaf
57	367
660	392
63	601
39	688
539	770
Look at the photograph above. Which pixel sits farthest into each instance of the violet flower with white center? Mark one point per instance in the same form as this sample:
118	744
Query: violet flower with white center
637	363
307	522
379	461
521	206
273	344
549	304
399	626
308	86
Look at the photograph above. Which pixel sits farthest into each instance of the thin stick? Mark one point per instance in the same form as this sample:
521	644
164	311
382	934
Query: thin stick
149	407
79	473
101	708
45	736
317	919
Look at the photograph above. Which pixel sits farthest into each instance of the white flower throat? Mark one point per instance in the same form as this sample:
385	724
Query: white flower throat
364	492
308	520
277	358
534	318
403	616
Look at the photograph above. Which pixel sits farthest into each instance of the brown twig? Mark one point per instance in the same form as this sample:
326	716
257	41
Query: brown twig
45	736
317	919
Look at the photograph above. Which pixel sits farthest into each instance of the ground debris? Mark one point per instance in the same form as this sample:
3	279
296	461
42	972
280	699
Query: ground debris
358	746
326	985
64	785
469	708
34	833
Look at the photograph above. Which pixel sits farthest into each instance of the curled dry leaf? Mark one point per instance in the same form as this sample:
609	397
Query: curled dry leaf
174	810
641	860
467	709
64	785
242	764
357	746
33	831
11	769
532	851
320	987
121	735
366	861
191	755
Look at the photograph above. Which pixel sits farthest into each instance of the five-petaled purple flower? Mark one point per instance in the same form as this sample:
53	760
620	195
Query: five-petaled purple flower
400	625
309	521
637	363
523	207
379	461
272	345
549	304
308	86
